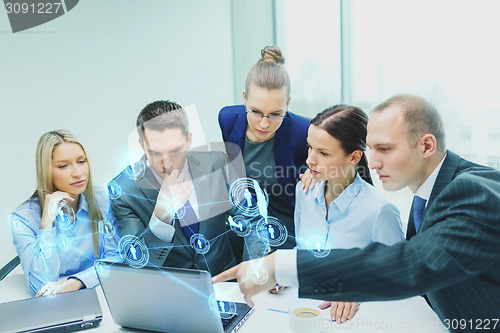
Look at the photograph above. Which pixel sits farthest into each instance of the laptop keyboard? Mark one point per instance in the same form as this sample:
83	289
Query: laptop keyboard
227	321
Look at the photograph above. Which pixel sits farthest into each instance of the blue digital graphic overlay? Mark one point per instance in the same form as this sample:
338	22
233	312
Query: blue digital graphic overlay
133	251
65	217
257	273
272	231
226	309
114	190
102	268
317	246
247	196
42	246
240	225
107	229
64	242
135	170
199	243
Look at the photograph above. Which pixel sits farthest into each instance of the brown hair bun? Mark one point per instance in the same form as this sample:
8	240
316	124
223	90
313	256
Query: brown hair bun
272	53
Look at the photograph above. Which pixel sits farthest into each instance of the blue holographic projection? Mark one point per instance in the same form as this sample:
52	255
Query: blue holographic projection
133	251
199	243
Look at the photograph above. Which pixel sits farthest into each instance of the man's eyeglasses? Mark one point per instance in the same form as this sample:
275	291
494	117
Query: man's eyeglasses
256	115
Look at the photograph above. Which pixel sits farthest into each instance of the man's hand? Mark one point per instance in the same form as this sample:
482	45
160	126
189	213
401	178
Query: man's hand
254	276
308	181
340	312
174	193
58	287
277	289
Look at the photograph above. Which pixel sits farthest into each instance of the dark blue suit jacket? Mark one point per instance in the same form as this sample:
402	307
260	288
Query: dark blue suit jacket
290	146
454	258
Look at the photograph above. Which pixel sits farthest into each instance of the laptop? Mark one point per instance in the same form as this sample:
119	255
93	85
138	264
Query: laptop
66	312
167	299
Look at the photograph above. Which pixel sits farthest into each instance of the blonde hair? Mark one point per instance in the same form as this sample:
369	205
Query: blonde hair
269	71
46	145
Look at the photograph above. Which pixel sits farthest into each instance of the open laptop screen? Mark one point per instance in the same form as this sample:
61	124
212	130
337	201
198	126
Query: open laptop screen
161	299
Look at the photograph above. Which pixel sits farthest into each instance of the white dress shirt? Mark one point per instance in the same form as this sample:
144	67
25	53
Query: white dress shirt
425	190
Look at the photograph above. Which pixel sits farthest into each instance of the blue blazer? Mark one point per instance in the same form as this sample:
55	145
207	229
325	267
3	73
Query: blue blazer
454	258
290	145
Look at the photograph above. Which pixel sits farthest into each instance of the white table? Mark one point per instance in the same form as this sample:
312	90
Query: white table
408	315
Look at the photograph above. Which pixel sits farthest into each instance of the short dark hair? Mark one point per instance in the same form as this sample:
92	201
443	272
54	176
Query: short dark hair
160	115
348	125
420	116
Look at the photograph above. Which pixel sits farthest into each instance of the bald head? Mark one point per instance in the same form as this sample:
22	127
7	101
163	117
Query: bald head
419	118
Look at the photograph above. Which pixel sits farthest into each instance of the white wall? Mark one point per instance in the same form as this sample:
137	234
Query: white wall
93	69
253	29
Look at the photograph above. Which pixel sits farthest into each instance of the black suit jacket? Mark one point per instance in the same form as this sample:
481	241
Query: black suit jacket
134	208
454	258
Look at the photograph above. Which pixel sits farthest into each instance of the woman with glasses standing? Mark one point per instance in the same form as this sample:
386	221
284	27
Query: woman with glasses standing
271	139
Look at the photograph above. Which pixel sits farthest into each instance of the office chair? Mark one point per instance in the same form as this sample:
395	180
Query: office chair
9	267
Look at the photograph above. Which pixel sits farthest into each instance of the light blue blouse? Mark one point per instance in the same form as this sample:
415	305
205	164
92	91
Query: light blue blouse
48	254
356	218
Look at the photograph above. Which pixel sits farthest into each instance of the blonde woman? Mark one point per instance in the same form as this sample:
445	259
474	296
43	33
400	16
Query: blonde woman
65	225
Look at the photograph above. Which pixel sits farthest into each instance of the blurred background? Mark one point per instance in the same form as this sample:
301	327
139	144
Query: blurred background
93	69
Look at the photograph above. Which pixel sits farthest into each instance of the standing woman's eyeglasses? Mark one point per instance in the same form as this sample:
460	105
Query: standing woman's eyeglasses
256	115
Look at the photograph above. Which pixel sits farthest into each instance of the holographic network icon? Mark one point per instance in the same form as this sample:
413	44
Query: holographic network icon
240	225
114	190
226	309
246	195
317	246
65	217
102	268
257	273
133	251
199	243
64	242
133	170
272	231
107	229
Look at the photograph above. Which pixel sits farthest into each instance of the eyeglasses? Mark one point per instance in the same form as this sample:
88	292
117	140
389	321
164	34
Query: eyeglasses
256	115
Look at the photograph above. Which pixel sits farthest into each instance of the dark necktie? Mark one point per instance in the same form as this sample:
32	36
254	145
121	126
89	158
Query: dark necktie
418	211
188	219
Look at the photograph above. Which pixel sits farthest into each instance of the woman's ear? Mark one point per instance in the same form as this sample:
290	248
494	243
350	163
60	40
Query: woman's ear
356	157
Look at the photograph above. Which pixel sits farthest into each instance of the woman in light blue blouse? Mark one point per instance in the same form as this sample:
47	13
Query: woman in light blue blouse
343	210
65	225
